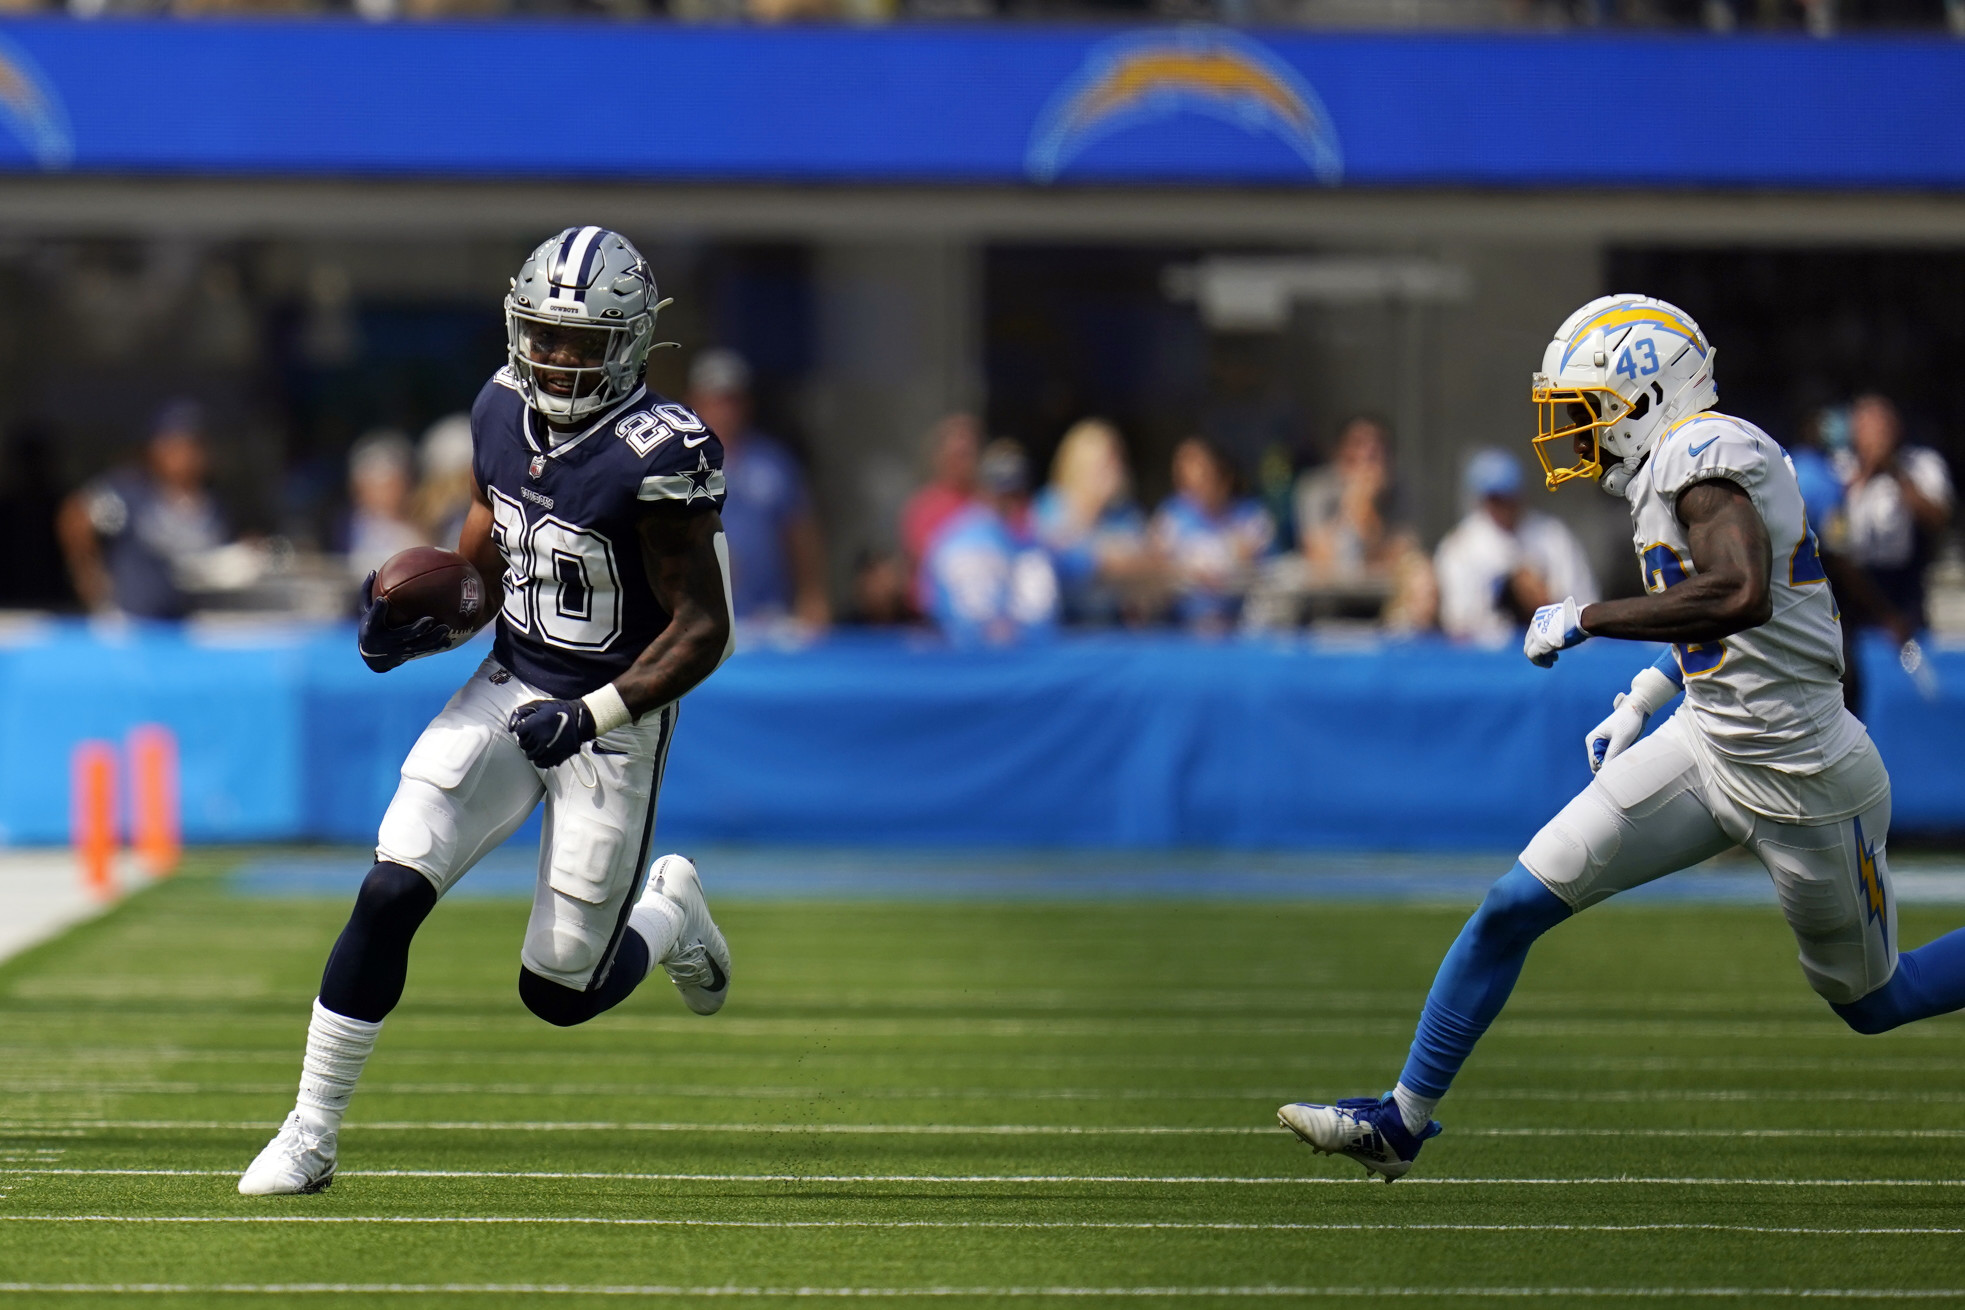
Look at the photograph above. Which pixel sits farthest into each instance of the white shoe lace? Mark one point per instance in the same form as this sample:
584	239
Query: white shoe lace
690	966
287	1155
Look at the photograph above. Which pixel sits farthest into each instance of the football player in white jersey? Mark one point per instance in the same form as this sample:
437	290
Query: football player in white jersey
1761	754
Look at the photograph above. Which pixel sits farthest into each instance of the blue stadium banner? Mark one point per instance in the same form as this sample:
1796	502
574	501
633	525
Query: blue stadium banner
995	104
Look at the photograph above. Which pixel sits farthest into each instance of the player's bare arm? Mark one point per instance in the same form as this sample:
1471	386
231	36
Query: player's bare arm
477	544
1729	593
679	552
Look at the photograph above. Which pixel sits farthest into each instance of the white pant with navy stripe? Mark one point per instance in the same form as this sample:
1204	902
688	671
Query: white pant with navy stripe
1652	811
466	786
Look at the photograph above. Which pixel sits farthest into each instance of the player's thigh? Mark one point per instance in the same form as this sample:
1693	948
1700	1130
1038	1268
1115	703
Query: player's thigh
600	821
466	786
1643	816
1834	883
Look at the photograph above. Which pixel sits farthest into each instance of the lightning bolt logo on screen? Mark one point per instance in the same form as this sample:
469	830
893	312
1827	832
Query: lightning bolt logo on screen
31	111
1132	81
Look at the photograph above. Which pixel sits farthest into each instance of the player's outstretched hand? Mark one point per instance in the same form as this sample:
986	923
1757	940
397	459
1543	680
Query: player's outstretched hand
1615	734
1554	628
551	732
383	647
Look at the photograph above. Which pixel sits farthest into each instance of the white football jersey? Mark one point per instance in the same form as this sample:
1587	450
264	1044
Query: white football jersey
1766	703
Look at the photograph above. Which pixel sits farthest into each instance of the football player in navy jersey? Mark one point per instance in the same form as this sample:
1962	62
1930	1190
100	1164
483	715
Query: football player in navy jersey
597	506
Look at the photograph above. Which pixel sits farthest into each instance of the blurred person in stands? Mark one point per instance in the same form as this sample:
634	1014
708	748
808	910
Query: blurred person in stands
35	577
1898	502
124	533
1350	533
1503	562
1085	517
1210	537
954	447
990	582
777	557
444	494
883	590
378	493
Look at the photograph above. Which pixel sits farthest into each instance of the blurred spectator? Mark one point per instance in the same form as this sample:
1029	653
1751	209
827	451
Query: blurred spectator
1814	456
883	590
443	496
378	494
34	577
989	580
777	559
1086	518
1899	501
1350	533
126	533
955	445
1502	562
1211	539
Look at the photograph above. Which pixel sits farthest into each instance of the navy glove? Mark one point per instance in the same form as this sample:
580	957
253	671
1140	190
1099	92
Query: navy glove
551	732
383	647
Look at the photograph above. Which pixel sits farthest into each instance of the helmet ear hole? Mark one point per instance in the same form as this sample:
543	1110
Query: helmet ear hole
1639	410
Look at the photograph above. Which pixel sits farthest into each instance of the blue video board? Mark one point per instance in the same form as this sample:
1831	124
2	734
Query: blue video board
995	105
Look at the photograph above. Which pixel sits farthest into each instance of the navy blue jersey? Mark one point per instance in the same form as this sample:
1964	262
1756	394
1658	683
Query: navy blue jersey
578	605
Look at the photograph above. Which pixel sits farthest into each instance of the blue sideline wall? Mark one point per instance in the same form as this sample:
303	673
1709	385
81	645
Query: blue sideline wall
1092	742
997	104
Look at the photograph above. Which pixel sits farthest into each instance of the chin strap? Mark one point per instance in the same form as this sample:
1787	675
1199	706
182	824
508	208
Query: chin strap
1617	478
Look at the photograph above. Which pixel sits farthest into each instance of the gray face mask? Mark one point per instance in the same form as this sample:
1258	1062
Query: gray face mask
588	278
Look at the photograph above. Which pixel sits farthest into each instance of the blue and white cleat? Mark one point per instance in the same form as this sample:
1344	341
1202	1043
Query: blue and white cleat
1367	1129
699	962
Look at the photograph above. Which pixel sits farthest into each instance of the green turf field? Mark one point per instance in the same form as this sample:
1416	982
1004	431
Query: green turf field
995	1099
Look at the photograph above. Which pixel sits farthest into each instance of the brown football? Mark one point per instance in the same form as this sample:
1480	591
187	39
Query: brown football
426	581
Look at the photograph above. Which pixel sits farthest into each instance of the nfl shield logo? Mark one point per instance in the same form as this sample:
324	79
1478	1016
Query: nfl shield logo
538	466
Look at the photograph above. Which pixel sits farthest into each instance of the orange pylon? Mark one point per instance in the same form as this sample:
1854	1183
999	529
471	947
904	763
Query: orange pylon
92	815
154	826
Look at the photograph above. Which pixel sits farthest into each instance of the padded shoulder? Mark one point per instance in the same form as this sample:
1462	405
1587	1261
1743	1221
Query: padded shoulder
1708	446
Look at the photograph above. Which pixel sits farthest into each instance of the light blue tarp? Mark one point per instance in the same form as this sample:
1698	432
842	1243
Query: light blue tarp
871	740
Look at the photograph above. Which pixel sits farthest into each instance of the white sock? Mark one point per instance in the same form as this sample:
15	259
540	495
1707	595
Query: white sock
657	920
1415	1109
337	1048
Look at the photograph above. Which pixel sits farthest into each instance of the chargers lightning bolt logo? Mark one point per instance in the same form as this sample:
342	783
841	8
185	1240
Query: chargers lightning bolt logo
1871	885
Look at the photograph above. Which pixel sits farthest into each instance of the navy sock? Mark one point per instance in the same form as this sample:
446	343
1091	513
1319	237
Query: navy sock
564	1006
1929	980
370	961
1476	977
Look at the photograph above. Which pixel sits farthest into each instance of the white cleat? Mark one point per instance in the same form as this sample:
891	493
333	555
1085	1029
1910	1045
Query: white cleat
1367	1129
295	1163
699	962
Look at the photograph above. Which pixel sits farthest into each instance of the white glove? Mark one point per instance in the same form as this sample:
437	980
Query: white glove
1649	692
1554	628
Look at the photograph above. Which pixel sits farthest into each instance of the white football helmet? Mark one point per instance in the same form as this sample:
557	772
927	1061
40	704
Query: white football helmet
1619	372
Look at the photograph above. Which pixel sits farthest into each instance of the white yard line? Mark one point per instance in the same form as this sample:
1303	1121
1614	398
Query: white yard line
1015	1224
727	1290
79	1127
1227	1180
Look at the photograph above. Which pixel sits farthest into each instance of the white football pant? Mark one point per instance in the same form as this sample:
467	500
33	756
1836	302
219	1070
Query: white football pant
467	786
1651	812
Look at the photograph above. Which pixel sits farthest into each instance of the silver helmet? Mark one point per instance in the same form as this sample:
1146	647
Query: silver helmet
579	322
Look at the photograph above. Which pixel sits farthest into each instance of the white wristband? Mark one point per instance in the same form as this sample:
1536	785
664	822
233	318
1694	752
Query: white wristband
608	709
1651	690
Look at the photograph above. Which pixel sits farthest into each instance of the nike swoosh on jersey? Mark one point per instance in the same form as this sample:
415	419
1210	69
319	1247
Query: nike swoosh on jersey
687	444
1695	450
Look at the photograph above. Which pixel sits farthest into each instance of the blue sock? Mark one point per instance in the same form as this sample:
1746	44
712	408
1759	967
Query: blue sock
1475	978
1929	980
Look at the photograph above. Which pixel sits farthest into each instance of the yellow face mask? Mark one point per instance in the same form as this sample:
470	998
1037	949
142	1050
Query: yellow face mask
1570	422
